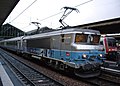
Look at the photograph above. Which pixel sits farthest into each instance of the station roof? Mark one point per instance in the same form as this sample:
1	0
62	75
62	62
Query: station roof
6	7
110	26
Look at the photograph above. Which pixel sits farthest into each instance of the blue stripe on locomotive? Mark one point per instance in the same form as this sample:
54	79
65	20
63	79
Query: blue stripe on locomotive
74	56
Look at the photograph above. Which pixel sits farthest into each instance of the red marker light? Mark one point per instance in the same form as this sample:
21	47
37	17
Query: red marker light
67	54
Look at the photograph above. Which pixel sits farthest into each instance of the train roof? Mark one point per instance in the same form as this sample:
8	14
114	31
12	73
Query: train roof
13	39
63	31
57	32
108	37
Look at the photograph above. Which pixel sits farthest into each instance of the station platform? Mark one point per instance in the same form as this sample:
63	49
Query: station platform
7	77
111	67
5	80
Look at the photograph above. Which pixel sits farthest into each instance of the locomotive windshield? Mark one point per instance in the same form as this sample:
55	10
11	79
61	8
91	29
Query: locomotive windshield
94	39
87	38
112	42
81	38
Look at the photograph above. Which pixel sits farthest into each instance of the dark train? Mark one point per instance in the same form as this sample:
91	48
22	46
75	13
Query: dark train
69	49
111	49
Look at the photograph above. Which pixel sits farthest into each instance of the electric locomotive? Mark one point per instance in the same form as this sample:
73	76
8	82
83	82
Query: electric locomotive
68	49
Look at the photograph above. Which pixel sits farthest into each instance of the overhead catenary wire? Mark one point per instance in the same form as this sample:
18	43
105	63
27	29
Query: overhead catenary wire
48	16
83	3
63	11
23	11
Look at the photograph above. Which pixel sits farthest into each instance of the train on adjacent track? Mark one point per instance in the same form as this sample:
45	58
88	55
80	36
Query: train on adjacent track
70	49
111	49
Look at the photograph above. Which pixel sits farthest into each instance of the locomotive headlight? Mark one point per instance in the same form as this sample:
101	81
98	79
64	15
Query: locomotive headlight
100	55
84	56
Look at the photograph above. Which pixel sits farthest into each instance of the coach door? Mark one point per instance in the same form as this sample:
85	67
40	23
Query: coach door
24	45
18	44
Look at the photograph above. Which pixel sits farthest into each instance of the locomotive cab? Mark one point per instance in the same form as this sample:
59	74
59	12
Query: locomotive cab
89	45
88	53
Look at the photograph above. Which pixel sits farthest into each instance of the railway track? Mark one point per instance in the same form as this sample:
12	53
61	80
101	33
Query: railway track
28	75
103	80
99	81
